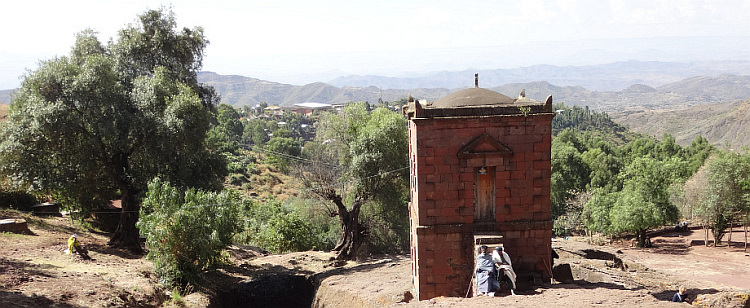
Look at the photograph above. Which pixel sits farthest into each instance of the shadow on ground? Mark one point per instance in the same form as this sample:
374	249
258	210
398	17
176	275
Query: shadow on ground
17	299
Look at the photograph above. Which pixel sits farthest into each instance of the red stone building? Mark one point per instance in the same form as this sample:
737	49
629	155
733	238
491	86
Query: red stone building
480	168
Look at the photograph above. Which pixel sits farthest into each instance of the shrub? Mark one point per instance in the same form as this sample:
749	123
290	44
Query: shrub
185	232
17	200
279	230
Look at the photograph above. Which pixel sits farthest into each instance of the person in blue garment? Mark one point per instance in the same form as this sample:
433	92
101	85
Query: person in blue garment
485	273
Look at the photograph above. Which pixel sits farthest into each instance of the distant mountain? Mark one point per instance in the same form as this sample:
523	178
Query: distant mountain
605	77
716	107
684	93
724	87
5	96
721	123
239	91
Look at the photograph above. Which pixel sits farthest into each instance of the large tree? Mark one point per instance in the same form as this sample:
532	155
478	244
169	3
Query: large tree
359	158
99	123
725	196
644	202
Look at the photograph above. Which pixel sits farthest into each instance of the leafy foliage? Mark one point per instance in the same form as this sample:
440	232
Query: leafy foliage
360	158
631	178
281	150
583	119
271	226
725	197
97	124
186	232
226	135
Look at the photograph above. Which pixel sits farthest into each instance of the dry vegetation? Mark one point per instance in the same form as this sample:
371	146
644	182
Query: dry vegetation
719	123
264	181
3	111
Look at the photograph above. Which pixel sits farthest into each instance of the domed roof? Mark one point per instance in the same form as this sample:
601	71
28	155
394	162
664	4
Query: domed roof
472	97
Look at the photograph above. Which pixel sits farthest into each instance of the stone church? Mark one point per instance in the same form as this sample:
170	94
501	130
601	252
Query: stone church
480	174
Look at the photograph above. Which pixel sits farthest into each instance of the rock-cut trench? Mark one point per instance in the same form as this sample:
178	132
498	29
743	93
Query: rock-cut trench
273	290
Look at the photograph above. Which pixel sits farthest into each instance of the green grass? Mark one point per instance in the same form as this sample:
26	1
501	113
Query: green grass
10	234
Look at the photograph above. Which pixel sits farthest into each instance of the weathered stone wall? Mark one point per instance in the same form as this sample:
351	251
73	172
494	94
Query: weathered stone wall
443	193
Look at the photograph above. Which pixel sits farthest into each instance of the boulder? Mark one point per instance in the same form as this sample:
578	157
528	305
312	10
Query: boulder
727	299
14	225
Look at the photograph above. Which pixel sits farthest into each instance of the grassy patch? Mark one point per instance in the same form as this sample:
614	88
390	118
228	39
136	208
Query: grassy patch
10	234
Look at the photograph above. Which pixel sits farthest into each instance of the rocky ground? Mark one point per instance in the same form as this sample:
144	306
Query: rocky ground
35	272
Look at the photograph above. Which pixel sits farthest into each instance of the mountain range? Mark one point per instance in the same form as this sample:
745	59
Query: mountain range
683	99
604	77
239	91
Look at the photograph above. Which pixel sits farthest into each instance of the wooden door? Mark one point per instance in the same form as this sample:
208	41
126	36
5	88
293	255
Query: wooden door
484	194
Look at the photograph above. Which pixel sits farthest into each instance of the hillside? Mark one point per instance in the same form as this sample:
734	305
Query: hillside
654	110
721	123
689	92
604	77
37	273
3	111
240	91
5	96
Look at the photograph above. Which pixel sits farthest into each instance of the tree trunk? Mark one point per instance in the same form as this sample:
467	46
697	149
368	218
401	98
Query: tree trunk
127	235
641	238
351	235
705	235
352	232
746	238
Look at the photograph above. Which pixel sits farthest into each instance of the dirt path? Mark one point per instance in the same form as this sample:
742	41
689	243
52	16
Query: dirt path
35	272
718	267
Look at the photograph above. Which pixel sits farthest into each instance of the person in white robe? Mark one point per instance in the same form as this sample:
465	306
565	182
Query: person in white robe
505	266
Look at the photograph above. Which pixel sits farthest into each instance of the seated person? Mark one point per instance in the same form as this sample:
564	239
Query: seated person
74	246
681	296
485	273
505	267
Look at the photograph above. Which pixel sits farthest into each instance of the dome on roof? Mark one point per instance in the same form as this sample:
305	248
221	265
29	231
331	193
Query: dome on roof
472	97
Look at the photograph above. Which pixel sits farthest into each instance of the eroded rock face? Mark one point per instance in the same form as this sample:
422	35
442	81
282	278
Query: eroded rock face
273	290
723	300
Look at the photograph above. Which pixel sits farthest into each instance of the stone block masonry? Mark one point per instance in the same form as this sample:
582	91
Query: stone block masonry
479	170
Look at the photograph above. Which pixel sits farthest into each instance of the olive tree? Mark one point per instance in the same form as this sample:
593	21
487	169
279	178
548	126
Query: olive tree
99	123
726	193
643	203
359	158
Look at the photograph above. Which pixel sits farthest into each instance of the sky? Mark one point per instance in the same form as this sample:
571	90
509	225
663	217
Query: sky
298	42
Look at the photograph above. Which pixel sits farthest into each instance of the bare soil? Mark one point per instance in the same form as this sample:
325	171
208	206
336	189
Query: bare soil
35	272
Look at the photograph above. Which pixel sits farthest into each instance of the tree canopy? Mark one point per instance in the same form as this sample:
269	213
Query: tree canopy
99	123
631	178
360	158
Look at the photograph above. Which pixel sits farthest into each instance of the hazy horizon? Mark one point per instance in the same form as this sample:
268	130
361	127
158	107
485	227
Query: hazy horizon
298	42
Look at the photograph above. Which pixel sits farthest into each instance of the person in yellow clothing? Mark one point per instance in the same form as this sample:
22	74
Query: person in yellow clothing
75	246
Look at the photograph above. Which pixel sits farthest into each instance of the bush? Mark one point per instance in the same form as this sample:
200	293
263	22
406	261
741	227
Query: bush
17	200
279	230
186	232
